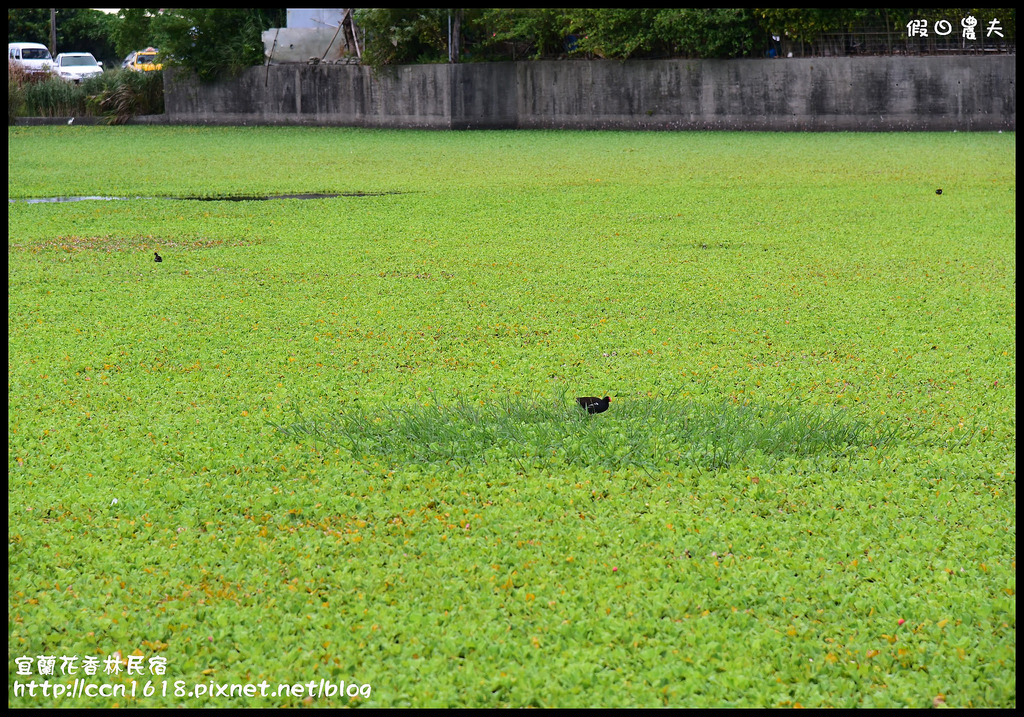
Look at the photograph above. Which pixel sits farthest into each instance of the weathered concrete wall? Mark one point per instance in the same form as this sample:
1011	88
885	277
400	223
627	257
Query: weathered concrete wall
868	93
854	93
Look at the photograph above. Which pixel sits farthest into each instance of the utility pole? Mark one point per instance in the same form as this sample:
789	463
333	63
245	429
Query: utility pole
53	31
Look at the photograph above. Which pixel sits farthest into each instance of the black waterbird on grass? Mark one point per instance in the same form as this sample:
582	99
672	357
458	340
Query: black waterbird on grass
594	405
938	191
157	257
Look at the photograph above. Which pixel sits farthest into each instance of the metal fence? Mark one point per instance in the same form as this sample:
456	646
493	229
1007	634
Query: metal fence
882	42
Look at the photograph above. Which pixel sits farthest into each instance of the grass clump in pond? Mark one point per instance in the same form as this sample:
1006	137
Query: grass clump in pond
648	433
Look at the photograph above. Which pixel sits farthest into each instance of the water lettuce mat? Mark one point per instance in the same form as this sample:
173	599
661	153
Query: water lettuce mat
327	452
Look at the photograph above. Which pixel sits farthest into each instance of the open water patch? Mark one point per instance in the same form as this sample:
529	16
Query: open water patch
52	200
230	198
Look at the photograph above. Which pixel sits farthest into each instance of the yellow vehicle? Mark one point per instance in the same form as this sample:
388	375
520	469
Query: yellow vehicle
143	60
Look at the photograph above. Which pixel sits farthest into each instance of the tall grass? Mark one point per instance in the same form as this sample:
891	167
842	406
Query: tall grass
125	94
54	97
117	95
16	80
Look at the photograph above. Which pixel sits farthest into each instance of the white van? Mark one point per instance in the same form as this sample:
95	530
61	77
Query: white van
30	55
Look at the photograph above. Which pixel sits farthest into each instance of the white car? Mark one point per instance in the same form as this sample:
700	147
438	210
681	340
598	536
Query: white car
77	66
32	56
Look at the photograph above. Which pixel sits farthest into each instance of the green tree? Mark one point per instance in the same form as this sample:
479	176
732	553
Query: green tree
613	33
134	32
78	29
88	30
213	42
711	33
401	36
515	33
28	24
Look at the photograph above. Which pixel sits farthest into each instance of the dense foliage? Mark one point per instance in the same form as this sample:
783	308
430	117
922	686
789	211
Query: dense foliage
213	42
216	41
402	35
117	95
78	30
209	41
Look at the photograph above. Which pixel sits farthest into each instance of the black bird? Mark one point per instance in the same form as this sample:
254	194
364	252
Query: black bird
594	405
157	257
938	191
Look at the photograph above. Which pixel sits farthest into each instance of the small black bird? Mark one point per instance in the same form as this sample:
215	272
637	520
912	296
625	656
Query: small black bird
594	405
157	257
938	191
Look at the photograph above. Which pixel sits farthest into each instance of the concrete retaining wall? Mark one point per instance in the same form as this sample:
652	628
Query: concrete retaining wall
848	93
